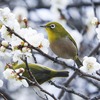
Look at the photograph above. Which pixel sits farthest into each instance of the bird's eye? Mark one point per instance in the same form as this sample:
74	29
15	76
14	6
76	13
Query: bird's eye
52	26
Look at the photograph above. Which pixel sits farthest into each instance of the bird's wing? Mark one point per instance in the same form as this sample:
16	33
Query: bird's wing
70	37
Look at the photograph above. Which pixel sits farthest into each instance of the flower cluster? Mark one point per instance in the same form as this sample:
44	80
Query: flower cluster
12	42
14	76
90	65
13	47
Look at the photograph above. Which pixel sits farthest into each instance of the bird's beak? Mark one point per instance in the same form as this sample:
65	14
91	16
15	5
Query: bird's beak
43	26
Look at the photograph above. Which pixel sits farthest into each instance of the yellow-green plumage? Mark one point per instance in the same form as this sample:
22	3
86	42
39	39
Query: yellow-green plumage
61	42
41	73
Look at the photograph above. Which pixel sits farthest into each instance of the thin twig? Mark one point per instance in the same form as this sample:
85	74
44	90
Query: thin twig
92	82
95	50
41	96
83	4
69	90
94	8
96	98
66	84
28	69
3	96
33	56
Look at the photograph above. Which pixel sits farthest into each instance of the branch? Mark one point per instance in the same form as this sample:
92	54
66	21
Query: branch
33	56
5	95
96	98
94	8
95	50
66	84
83	4
69	90
92	82
36	83
52	58
28	70
2	95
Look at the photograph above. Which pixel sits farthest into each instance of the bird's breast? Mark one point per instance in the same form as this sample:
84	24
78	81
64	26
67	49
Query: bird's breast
64	48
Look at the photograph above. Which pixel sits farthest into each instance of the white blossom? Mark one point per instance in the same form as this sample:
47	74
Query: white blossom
7	18
45	45
59	3
4	43
15	41
2	49
9	73
34	38
20	12
90	65
1	83
5	34
17	55
24	82
13	76
94	21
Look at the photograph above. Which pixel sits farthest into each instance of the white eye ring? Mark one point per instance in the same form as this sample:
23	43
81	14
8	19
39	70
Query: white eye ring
52	26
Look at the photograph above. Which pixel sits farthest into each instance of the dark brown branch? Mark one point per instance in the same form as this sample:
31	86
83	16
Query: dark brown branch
69	90
95	50
88	75
36	83
53	59
96	98
5	95
33	56
28	69
66	84
94	8
92	82
83	4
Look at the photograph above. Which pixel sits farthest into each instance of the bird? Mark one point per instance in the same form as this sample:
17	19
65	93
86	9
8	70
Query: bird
40	72
61	42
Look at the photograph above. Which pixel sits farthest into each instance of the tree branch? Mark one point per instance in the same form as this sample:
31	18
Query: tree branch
54	59
36	83
69	90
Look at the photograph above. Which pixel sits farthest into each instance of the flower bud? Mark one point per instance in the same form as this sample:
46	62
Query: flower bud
4	43
2	48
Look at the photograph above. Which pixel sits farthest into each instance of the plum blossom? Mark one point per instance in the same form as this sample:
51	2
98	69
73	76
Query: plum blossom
17	46
90	65
20	13
94	21
14	78
17	55
1	83
35	39
60	3
7	18
4	43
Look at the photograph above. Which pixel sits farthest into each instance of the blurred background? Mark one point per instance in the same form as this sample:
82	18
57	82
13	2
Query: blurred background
75	16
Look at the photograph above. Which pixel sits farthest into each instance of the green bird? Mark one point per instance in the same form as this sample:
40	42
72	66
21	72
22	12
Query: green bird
61	42
41	73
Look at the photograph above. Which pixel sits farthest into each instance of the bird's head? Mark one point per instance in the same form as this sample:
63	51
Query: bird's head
54	30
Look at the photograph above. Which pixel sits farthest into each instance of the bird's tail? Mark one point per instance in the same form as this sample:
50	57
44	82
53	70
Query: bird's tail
62	74
78	62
